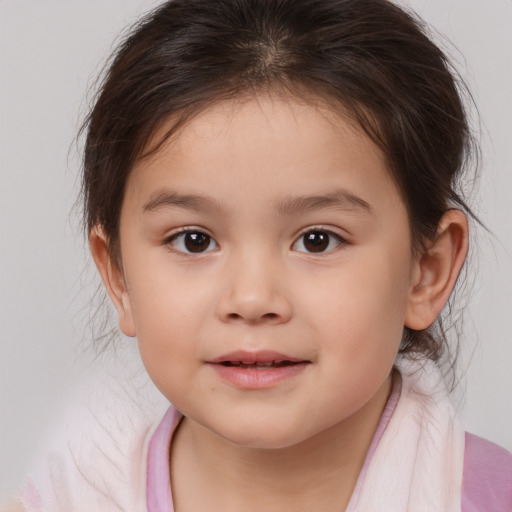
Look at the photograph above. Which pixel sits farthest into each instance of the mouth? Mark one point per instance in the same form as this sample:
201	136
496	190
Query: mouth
257	370
255	360
261	365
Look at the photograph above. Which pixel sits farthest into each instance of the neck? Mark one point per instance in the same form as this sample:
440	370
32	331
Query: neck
209	473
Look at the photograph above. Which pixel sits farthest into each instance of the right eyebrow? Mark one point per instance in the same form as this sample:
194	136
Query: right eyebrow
169	199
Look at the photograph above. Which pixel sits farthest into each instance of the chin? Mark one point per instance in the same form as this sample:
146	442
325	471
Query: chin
262	437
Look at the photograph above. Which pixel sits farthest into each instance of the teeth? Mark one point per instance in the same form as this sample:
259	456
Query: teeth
259	364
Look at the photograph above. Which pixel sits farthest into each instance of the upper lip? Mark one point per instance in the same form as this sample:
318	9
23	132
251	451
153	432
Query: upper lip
260	356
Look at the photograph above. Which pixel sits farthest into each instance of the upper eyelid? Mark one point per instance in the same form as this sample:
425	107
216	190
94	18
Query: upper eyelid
325	229
187	229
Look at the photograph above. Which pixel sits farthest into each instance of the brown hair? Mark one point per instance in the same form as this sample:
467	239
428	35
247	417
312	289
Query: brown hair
369	57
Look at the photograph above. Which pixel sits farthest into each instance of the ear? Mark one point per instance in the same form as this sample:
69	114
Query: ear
113	279
436	271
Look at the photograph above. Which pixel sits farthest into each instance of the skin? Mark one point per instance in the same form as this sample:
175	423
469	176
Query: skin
299	444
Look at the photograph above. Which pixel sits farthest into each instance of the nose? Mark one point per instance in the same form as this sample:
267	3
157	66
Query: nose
254	293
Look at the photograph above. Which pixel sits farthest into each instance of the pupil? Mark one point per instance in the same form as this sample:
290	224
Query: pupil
197	242
316	241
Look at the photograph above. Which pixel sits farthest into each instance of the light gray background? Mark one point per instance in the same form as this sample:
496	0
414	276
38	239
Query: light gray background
49	53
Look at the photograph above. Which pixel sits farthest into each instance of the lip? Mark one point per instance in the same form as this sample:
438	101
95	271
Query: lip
260	356
258	370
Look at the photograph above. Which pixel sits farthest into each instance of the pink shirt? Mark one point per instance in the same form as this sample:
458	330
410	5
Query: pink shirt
487	477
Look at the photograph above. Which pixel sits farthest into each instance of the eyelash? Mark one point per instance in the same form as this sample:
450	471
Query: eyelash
205	237
180	235
320	230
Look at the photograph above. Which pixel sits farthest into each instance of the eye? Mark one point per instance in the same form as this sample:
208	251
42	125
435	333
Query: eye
317	241
192	242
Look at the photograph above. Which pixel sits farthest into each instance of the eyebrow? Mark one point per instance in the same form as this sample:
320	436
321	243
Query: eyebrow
337	200
169	199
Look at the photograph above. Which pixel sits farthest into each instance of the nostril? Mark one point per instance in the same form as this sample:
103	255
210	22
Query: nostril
266	316
253	309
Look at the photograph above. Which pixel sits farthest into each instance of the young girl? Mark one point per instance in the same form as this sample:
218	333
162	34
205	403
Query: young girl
271	191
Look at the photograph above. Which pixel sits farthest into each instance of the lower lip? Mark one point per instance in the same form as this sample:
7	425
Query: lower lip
250	378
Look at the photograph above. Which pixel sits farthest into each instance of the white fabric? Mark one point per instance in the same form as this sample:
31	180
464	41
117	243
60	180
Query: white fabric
418	464
100	462
97	461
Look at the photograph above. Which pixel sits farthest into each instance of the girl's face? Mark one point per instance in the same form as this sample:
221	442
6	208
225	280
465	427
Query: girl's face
267	232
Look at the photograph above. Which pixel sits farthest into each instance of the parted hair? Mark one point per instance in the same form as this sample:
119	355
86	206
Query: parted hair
370	60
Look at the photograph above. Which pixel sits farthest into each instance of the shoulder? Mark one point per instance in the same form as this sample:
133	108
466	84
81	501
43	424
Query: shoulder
487	478
97	458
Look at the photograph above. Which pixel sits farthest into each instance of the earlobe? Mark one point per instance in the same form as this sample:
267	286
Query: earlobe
113	279
436	271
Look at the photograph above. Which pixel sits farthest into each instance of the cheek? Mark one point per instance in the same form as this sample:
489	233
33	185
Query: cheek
170	311
361	309
163	294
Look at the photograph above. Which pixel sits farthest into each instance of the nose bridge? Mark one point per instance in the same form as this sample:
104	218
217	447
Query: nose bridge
254	290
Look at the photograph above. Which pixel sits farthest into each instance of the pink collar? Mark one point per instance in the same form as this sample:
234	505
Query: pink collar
159	496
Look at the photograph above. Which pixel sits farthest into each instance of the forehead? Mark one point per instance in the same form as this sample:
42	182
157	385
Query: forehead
262	148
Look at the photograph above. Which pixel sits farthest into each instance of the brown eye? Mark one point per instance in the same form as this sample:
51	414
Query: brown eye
317	241
193	242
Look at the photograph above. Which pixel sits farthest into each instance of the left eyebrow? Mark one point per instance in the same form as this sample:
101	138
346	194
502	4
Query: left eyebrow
338	200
